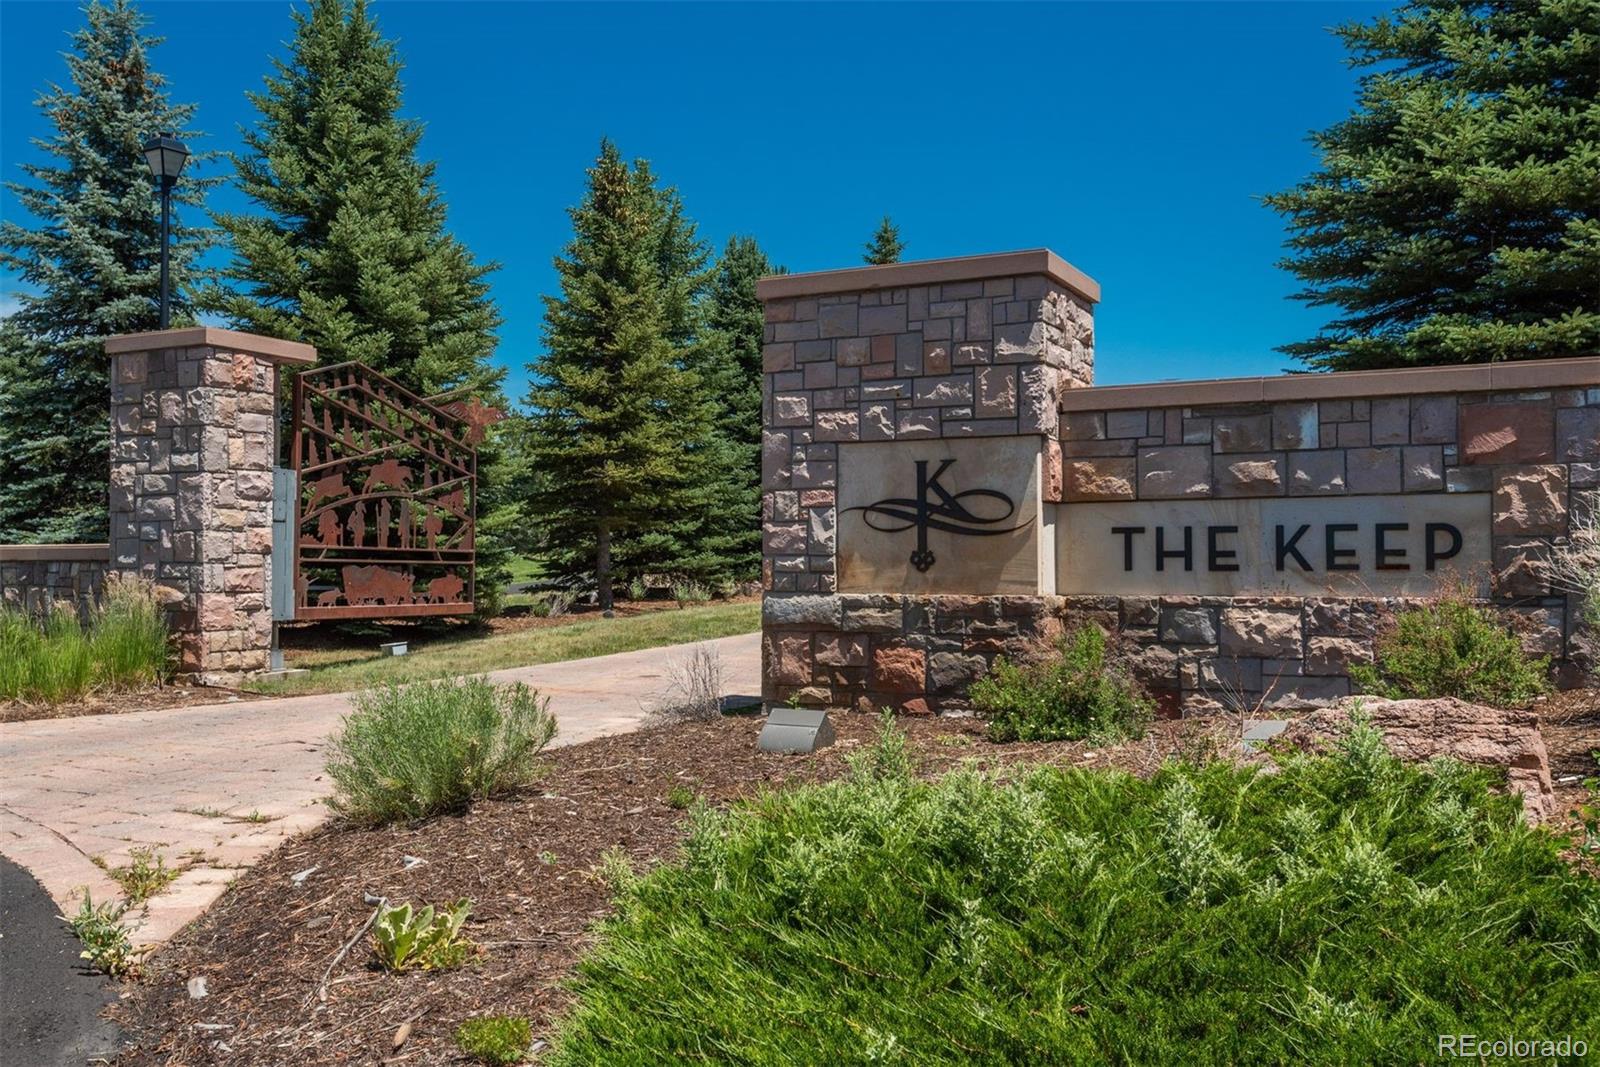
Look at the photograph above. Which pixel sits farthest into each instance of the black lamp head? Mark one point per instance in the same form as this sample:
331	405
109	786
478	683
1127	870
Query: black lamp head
166	155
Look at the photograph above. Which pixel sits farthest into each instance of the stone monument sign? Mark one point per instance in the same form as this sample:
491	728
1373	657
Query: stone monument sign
943	485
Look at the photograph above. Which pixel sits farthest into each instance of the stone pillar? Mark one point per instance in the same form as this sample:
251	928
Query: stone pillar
859	366
193	444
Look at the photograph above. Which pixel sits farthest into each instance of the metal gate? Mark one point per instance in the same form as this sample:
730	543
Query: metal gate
385	507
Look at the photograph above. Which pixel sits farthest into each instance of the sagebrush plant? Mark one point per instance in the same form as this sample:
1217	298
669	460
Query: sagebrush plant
56	658
1308	912
1070	693
425	938
1574	564
1452	647
690	592
552	604
694	684
410	751
497	1040
98	927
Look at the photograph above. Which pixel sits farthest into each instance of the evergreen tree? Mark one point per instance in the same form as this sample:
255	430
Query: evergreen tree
1456	214
885	246
728	360
352	254
93	270
620	429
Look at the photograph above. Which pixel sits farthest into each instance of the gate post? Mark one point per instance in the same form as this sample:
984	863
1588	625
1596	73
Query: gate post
194	439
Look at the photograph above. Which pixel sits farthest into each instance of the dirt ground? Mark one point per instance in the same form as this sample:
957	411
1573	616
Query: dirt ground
155	699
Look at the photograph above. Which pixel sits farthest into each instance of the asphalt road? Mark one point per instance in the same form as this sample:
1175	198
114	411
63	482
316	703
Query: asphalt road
49	1003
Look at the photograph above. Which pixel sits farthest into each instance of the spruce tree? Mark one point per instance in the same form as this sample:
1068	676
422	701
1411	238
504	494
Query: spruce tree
1456	214
352	254
885	246
620	428
92	265
728	360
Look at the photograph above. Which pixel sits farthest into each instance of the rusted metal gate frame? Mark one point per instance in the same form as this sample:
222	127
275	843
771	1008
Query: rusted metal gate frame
466	557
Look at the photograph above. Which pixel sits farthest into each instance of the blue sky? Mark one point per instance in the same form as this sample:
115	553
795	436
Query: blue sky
1134	139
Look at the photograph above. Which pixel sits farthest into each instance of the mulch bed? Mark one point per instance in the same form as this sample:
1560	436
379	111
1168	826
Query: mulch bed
528	864
153	699
1570	723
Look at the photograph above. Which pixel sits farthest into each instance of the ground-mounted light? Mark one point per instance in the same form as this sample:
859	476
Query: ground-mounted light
796	730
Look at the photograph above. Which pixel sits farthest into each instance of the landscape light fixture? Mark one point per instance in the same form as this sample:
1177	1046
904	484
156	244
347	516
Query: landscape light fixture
166	156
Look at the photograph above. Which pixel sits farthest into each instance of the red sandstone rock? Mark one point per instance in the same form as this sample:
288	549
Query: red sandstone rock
1531	500
1418	730
899	669
1507	433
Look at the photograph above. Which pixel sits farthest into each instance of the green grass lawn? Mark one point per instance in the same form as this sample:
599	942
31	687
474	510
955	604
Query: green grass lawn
525	569
337	670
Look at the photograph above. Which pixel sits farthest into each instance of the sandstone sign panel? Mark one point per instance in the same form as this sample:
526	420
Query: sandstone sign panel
1353	546
941	516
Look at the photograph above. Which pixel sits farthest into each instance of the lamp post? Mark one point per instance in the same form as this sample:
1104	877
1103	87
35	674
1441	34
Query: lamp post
166	155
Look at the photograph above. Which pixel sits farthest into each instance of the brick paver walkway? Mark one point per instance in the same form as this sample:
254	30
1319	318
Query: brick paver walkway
196	782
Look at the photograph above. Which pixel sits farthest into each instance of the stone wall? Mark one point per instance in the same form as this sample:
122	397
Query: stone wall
32	577
1003	346
1535	450
193	444
977	347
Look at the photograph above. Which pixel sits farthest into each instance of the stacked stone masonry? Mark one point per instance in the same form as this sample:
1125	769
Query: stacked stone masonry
193	443
1536	451
979	358
964	357
33	577
987	355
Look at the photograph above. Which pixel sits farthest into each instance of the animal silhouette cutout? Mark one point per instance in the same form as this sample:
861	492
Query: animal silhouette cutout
392	473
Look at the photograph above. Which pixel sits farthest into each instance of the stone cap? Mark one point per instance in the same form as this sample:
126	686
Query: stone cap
271	349
52	553
932	272
1579	372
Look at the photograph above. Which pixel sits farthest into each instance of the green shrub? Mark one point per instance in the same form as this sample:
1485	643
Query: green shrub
497	1040
1452	648
98	927
55	659
1073	694
403	937
409	751
1339	909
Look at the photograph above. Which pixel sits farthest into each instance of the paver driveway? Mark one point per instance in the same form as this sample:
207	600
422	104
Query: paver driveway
216	787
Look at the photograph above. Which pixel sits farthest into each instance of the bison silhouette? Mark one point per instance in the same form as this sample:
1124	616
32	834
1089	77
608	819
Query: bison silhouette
445	590
376	585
